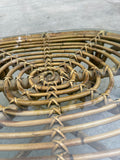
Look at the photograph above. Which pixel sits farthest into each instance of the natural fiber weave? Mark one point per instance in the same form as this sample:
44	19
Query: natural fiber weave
52	74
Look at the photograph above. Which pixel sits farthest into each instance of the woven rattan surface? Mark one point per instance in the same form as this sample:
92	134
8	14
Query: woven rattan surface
58	75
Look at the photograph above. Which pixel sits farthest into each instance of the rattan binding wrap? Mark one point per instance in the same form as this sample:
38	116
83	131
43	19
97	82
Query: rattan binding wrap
52	74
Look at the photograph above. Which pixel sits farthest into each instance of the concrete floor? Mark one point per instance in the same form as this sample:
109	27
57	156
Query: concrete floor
31	16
